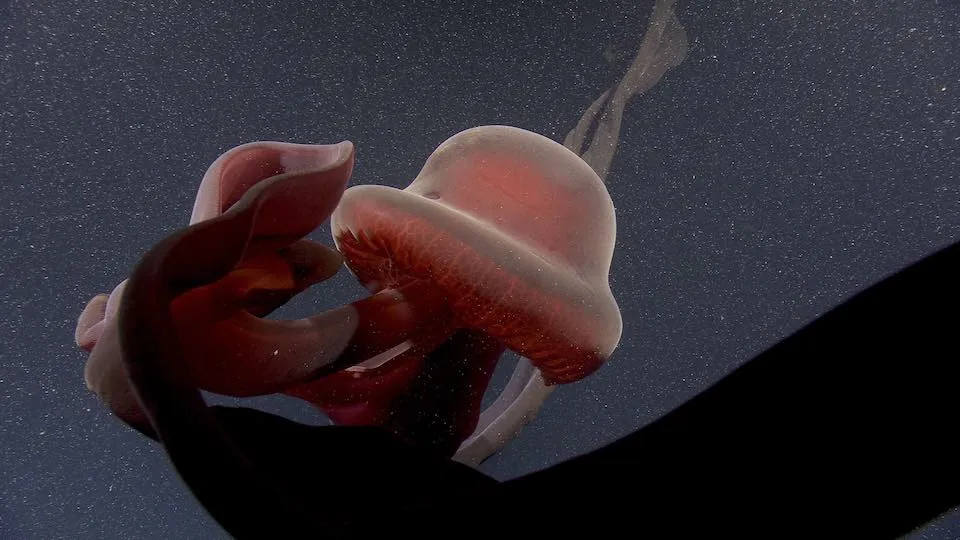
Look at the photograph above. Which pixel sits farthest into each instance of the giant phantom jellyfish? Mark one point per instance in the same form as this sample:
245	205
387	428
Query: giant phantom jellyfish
395	371
504	240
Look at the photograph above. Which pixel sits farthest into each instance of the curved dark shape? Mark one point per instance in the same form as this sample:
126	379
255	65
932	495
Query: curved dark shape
844	427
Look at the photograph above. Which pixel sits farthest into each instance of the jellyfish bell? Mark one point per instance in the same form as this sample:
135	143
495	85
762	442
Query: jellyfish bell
516	233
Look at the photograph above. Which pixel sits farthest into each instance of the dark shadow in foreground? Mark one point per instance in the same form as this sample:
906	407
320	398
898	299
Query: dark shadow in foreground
843	428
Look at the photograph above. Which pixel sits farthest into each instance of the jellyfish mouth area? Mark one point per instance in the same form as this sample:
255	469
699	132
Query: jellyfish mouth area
424	390
372	364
